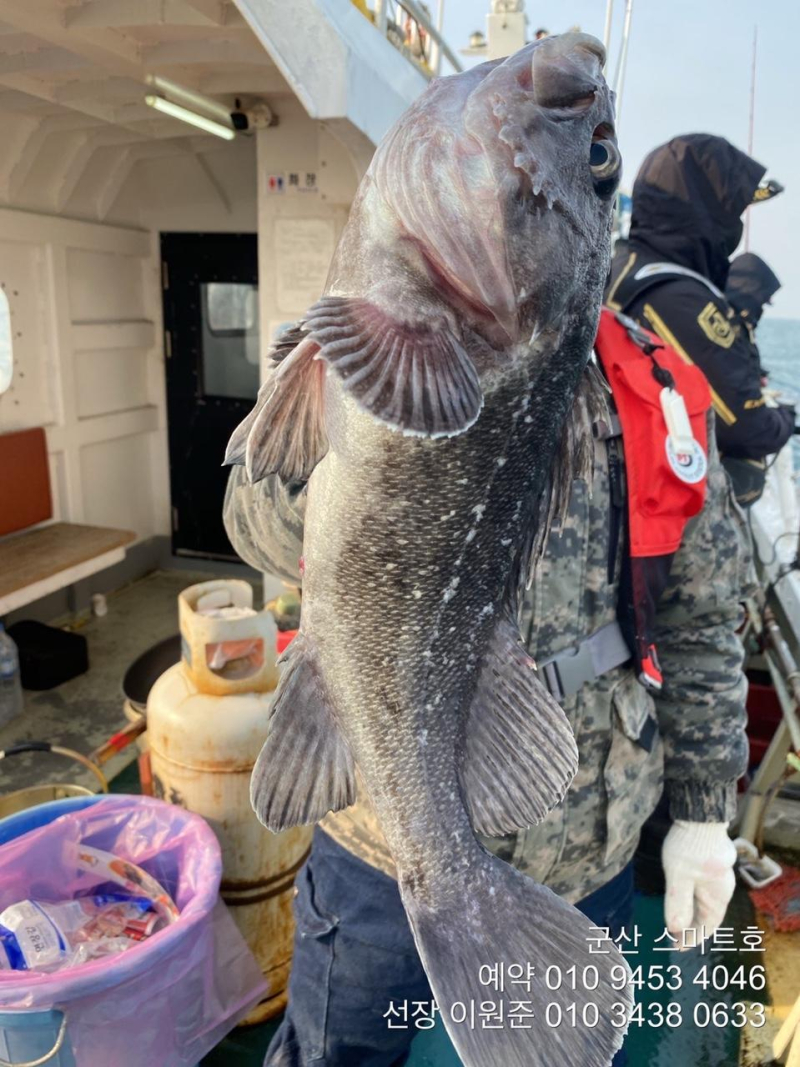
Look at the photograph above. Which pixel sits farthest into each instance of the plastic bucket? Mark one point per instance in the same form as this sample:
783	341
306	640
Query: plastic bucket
37	1037
31	1038
19	820
41	1036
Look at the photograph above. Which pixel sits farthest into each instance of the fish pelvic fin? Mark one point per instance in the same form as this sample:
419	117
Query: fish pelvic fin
285	434
412	377
500	918
305	768
520	753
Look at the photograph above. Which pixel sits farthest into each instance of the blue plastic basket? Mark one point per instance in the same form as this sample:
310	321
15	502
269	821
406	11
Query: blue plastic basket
32	818
31	1038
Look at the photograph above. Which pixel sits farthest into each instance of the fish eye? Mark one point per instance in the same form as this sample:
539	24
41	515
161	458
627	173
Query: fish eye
604	163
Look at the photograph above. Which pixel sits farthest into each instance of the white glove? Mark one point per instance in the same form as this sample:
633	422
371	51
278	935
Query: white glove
698	859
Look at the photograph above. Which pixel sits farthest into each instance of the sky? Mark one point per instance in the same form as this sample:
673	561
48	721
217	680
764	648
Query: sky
689	67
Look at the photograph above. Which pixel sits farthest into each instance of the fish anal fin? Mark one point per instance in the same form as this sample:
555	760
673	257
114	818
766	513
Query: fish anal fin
520	753
414	377
305	768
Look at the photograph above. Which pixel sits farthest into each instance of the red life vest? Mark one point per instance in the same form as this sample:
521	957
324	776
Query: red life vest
666	485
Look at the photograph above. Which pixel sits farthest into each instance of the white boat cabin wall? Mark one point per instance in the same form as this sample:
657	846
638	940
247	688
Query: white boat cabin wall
91	177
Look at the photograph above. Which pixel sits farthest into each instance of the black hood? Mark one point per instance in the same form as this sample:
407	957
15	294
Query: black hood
688	200
751	285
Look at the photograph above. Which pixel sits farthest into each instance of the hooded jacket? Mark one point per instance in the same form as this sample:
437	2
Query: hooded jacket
670	276
751	285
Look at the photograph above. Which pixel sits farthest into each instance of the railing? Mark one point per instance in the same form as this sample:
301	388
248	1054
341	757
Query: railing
409	27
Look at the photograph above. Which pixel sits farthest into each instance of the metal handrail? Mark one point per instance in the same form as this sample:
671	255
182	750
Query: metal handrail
412	8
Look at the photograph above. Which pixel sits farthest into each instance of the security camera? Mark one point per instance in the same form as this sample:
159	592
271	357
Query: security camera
257	116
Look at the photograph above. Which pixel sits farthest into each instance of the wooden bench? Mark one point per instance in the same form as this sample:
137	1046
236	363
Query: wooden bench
39	559
49	558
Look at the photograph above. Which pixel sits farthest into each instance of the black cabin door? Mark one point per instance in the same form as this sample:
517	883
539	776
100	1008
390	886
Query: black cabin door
211	321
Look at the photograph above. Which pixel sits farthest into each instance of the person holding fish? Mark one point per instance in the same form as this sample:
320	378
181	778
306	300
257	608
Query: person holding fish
434	455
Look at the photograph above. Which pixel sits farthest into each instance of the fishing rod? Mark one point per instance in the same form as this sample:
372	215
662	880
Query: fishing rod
751	130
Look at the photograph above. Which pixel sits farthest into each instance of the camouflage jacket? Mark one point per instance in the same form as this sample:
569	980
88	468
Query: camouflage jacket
695	742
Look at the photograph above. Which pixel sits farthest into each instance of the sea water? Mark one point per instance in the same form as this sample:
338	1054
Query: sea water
779	345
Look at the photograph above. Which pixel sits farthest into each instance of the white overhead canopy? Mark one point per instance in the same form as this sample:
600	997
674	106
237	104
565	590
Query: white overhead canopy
73	81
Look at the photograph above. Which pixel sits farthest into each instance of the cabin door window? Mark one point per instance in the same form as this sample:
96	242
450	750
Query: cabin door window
212	341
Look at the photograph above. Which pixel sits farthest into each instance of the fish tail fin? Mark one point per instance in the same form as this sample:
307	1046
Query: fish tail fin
499	918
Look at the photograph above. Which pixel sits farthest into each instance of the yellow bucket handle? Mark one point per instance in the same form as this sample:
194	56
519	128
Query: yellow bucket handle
58	750
62	1032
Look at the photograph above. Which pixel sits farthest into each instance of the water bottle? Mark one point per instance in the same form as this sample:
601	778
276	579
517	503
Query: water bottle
10	684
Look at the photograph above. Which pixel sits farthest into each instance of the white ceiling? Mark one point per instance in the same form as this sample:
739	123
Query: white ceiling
72	88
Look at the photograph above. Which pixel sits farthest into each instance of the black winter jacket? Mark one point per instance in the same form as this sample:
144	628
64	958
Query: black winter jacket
670	276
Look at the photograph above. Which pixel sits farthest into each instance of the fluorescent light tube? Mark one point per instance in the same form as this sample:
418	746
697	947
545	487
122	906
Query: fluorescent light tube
190	98
175	111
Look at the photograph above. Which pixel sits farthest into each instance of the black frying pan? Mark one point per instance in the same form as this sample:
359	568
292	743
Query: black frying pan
143	672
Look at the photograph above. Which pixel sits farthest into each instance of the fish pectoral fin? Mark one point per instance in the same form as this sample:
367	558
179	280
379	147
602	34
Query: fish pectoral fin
520	752
414	377
285	434
305	768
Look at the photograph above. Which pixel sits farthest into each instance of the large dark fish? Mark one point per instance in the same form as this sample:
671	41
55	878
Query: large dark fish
434	377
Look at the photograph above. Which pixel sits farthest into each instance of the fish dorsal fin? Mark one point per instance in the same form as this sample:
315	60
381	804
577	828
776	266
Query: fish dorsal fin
285	431
305	768
413	377
520	752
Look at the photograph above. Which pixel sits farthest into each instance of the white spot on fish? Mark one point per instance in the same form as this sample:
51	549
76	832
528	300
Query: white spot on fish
452	630
529	418
501	461
505	542
391	566
491	891
450	591
416	593
478	510
423	738
462	481
488	609
449	515
402	541
471	535
427	654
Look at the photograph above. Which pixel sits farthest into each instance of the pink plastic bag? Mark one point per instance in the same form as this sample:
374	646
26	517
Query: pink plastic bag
167	1001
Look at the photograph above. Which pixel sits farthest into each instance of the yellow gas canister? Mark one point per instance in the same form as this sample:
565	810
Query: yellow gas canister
206	722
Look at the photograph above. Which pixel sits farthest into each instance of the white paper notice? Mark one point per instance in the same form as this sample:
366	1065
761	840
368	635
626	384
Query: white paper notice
303	252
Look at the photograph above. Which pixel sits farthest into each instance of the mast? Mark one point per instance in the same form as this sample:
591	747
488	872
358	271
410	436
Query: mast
622	62
752	129
607	30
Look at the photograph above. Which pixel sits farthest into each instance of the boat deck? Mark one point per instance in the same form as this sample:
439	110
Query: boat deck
85	711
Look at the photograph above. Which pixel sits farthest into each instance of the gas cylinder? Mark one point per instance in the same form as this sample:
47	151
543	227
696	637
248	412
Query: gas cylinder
206	722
